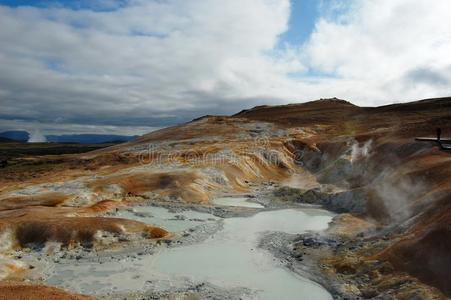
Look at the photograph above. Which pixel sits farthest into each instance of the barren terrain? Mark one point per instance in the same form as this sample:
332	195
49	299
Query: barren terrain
391	236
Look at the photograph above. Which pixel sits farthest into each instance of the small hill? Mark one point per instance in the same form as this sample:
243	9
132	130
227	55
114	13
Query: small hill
323	111
16	135
418	106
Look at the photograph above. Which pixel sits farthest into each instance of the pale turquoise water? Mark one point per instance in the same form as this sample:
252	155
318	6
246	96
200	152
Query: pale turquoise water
230	258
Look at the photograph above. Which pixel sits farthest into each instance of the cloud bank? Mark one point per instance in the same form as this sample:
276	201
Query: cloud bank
124	64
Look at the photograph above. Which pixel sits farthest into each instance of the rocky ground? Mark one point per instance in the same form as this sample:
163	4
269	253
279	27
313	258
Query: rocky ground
188	291
342	266
344	259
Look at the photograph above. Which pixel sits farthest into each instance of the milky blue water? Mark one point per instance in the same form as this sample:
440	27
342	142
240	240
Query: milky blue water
229	258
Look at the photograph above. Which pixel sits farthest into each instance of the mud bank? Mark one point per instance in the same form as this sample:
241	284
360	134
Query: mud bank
282	246
337	264
188	291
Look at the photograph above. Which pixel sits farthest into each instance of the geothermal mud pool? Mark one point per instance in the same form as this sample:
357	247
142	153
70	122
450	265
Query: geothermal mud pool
229	259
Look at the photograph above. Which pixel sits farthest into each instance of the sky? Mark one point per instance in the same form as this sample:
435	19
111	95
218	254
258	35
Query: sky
131	66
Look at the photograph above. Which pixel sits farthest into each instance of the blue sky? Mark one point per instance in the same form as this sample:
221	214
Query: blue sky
96	5
303	15
126	66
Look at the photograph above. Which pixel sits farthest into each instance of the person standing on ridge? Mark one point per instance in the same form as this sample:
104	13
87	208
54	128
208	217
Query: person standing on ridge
439	133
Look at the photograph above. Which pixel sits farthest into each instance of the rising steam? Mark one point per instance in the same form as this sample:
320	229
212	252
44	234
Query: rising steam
37	137
358	151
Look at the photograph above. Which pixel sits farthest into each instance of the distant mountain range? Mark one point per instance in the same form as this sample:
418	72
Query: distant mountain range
15	135
24	136
89	138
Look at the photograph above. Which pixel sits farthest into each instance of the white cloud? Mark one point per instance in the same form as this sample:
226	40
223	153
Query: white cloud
152	63
139	63
380	44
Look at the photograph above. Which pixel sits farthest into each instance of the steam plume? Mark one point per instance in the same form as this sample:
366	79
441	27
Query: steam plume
37	137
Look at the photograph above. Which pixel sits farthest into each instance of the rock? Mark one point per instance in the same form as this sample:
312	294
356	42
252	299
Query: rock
298	256
345	269
197	220
369	293
143	214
